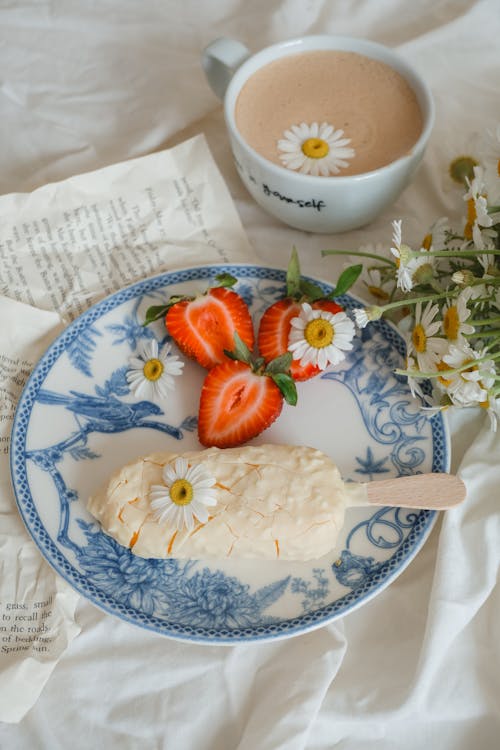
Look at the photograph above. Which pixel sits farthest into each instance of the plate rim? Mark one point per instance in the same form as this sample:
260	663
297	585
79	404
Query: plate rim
294	626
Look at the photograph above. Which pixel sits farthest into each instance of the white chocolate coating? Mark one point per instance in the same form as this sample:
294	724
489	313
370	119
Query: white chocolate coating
273	501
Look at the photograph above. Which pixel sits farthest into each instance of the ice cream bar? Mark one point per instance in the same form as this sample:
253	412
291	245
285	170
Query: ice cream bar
272	502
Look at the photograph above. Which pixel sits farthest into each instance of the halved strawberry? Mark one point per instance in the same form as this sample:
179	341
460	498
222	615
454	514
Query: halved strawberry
241	397
274	330
204	326
274	327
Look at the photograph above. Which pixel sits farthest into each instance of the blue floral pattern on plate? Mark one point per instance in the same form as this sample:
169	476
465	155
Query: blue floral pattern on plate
77	421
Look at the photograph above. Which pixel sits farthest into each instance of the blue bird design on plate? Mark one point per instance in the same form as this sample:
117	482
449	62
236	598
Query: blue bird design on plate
108	414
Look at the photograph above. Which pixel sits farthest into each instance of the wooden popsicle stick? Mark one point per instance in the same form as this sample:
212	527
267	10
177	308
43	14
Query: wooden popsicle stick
424	491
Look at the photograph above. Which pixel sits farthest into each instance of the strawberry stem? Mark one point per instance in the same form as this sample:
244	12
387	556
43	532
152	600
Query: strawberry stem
155	312
225	280
278	369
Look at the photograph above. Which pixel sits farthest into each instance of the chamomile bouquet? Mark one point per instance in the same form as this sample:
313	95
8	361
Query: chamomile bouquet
445	295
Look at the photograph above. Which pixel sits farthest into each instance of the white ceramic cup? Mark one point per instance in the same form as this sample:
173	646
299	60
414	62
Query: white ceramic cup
313	204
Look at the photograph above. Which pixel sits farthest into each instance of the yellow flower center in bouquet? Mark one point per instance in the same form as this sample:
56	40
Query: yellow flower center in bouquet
443	367
153	369
419	338
181	492
462	168
427	242
315	148
451	323
319	333
378	293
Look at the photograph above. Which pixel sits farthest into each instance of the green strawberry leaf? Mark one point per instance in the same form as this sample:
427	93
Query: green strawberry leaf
155	312
258	363
311	291
279	364
225	280
346	280
293	275
287	386
241	352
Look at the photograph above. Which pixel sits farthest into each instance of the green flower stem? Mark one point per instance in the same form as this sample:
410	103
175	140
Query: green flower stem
493	209
484	322
414	300
479	300
489	334
358	254
442	373
460	254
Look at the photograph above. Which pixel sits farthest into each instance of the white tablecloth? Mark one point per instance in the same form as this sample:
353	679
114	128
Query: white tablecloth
88	84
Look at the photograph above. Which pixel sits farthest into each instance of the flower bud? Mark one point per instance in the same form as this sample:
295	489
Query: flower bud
423	274
463	278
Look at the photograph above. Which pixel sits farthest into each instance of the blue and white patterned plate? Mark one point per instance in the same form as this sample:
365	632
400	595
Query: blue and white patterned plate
77	422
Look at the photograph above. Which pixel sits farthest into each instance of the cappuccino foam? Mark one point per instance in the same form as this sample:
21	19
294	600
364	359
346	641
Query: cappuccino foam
372	103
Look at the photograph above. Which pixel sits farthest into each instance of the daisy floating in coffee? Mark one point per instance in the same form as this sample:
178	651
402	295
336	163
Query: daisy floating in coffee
315	149
151	374
185	495
320	337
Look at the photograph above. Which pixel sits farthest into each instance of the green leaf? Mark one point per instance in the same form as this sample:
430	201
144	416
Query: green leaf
293	275
155	312
287	386
346	280
312	291
258	363
225	280
241	352
279	364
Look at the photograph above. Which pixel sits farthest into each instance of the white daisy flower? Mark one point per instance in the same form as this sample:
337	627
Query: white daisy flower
427	348
361	317
151	374
414	382
405	262
458	159
455	315
315	149
185	495
470	386
371	279
435	238
320	337
478	223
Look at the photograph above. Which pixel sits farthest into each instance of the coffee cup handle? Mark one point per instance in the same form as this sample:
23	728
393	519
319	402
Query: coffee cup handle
220	60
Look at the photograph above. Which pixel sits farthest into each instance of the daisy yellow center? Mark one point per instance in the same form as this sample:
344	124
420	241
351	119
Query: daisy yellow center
419	338
451	323
319	333
315	148
462	168
443	367
181	492
153	369
427	242
471	218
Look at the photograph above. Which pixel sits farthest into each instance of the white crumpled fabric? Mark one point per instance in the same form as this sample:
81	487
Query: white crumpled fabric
418	666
